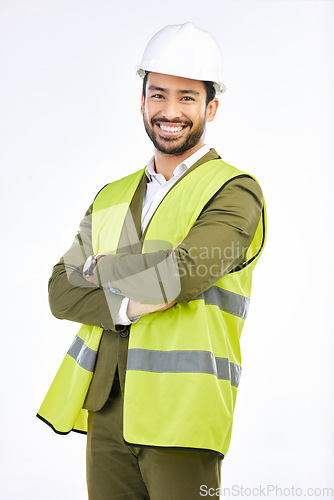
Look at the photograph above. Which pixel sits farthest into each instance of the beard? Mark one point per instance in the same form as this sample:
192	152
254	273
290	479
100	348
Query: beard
175	145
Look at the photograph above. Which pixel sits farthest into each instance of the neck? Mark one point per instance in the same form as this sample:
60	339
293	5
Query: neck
165	164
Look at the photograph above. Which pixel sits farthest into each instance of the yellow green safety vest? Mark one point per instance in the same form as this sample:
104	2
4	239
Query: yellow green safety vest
184	364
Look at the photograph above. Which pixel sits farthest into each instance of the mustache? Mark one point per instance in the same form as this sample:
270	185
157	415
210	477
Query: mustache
177	120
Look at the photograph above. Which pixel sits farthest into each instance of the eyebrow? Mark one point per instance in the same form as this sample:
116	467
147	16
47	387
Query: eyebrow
190	91
182	91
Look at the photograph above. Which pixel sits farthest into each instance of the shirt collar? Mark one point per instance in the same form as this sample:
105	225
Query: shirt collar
185	165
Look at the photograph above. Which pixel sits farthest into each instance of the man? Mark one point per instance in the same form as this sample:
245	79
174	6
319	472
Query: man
161	270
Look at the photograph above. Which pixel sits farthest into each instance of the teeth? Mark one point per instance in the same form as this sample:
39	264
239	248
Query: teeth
171	129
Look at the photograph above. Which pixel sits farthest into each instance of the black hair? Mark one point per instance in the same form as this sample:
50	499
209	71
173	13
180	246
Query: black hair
210	90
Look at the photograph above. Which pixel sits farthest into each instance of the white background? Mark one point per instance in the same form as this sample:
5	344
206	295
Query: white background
70	123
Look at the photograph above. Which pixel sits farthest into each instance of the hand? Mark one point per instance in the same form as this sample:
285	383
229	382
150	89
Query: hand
137	309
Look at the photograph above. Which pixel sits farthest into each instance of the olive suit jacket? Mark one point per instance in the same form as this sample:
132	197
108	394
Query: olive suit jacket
228	222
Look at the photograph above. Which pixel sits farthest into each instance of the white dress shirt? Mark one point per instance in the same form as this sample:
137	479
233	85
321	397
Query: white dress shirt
156	189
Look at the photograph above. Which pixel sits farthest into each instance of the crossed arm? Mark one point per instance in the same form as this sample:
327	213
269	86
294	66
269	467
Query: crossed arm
135	309
215	244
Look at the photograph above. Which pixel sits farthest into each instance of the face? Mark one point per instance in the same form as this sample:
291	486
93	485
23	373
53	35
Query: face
175	112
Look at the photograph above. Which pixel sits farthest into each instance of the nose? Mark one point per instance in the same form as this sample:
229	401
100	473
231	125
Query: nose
172	109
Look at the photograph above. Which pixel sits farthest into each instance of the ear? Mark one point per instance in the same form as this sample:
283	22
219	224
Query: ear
211	109
142	105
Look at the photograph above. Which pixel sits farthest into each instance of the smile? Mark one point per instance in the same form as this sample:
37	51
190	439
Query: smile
170	130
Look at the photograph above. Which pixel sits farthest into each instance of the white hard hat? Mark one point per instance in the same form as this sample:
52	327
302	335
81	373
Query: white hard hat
184	50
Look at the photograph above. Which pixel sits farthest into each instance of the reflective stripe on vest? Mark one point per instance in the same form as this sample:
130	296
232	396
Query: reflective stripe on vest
227	301
62	406
183	362
82	354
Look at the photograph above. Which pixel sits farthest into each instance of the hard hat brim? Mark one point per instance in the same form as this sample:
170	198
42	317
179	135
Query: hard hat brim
219	86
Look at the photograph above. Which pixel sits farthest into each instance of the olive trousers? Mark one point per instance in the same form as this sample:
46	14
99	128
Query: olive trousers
118	471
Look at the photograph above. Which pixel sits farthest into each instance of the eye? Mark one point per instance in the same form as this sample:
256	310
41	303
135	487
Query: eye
187	98
157	96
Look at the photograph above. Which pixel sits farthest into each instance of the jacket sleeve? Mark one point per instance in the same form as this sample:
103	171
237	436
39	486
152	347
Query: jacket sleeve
216	244
73	298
